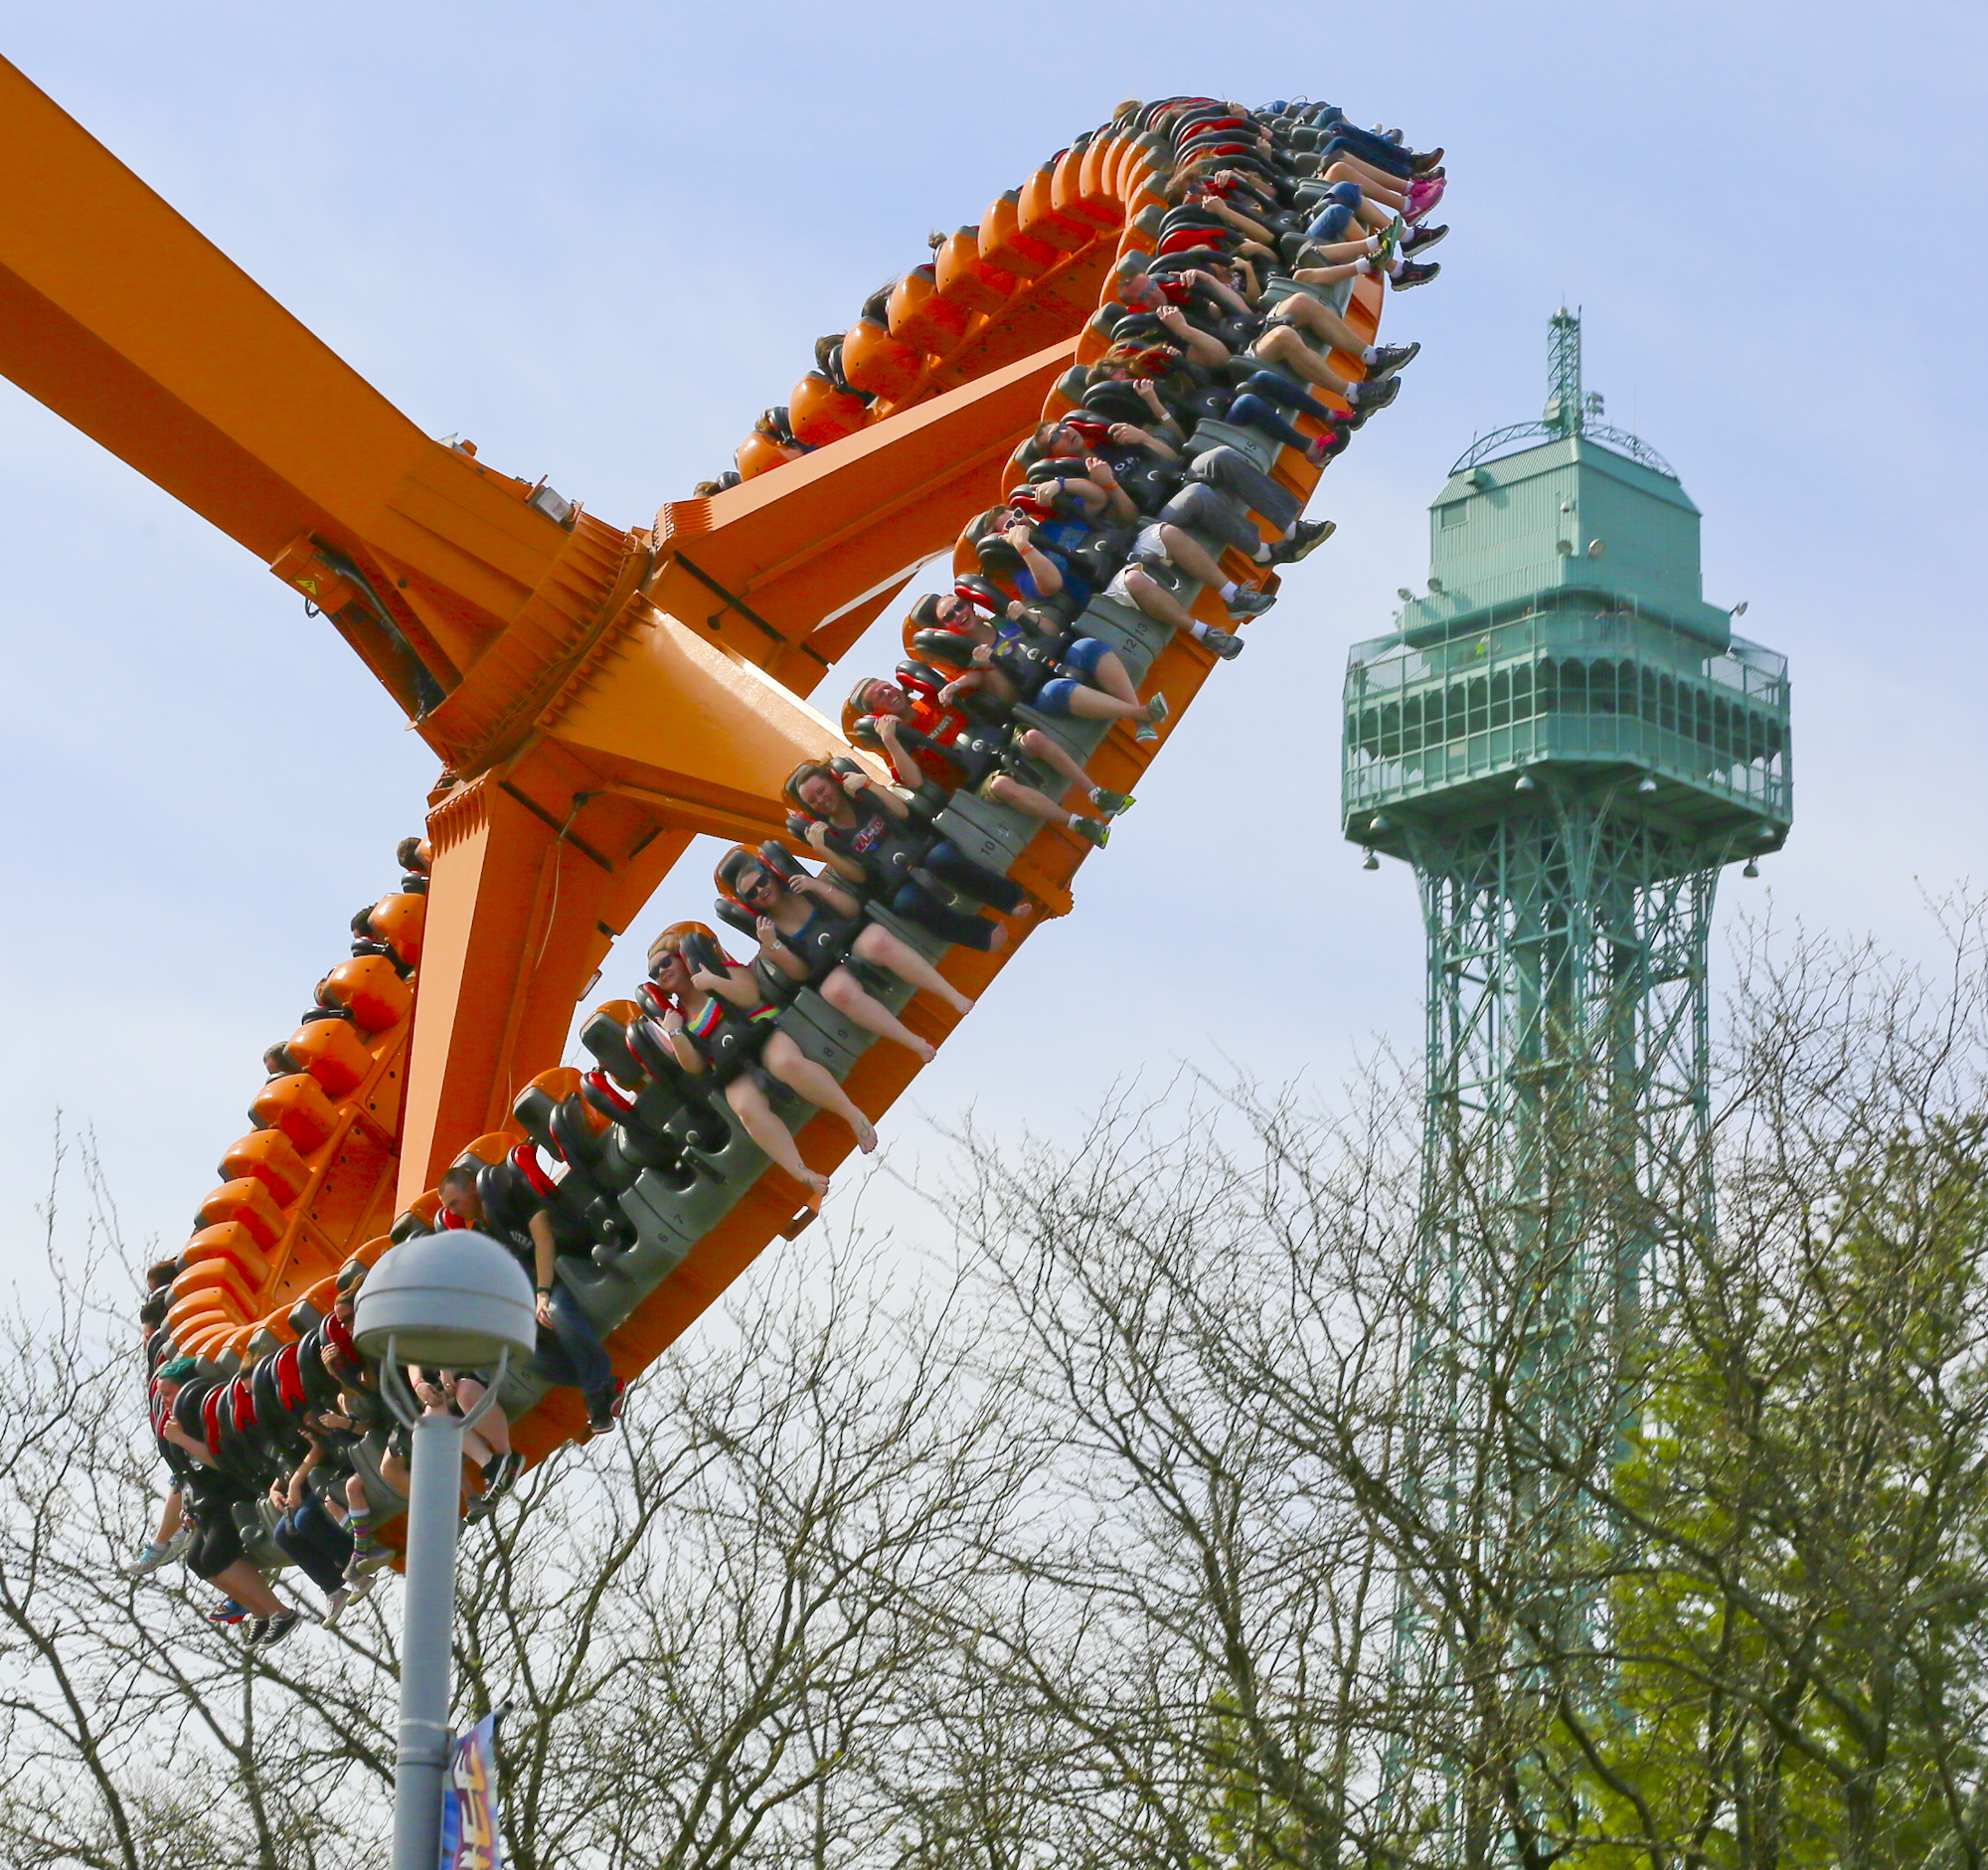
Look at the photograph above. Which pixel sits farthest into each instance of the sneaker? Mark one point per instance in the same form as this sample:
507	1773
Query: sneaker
1388	242
1224	643
368	1555
604	1424
1248	602
1093	831
271	1631
148	1560
1321	451
1418	237
1427	160
254	1630
1110	804
1413	272
345	1597
499	1471
1156	712
1388	358
1367	397
227	1611
1422	198
1309	536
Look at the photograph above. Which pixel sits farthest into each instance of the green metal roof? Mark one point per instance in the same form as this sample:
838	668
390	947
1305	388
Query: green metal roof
1566	515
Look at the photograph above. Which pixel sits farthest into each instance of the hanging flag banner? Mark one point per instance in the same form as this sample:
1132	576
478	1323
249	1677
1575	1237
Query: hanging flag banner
469	1835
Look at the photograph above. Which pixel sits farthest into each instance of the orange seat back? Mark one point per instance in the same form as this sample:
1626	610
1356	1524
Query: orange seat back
272	1159
295	1104
333	1052
370	987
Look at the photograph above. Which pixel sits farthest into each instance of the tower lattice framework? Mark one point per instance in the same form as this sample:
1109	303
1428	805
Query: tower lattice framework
1568	745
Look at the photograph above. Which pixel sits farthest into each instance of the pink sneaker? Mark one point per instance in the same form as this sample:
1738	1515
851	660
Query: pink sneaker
1422	195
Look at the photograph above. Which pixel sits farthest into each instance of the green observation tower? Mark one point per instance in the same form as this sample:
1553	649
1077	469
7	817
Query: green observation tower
1568	743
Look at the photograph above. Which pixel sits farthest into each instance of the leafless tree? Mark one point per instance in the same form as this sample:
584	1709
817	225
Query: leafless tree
702	1628
1182	1518
1340	1563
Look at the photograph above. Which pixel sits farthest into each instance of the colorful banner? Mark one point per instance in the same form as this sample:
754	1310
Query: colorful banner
470	1836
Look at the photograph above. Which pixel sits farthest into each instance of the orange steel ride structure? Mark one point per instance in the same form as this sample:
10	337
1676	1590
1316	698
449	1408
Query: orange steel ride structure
598	695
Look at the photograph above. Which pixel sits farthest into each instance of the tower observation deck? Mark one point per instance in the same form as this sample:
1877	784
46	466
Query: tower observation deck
1568	743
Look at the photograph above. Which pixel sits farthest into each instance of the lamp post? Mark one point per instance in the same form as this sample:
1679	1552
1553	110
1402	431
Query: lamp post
458	1299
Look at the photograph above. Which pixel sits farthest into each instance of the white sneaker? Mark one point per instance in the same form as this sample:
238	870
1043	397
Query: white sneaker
345	1597
160	1553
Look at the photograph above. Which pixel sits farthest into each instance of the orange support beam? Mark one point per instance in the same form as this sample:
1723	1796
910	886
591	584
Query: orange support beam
795	552
125	319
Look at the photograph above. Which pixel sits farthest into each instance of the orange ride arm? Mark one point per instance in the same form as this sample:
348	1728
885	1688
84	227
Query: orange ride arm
128	322
798	554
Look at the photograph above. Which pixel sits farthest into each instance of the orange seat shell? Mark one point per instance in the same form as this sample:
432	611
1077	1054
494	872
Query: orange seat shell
333	1052
248	1204
561	1080
209	1332
238	1342
877	363
370	987
230	1242
758	454
1138	174
1041	220
968	280
269	1156
491	1147
295	1104
212	1283
426	1206
369	1252
398	920
1004	244
1078	189
919	317
197	1311
821	414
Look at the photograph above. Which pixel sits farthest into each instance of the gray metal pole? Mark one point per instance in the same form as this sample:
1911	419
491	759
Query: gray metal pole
428	1598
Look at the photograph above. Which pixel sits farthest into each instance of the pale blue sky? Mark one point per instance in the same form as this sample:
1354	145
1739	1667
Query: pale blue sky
597	239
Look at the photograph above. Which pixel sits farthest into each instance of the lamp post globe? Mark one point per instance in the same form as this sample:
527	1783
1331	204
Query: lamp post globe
456	1300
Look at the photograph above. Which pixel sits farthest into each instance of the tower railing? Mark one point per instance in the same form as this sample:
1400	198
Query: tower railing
1567	683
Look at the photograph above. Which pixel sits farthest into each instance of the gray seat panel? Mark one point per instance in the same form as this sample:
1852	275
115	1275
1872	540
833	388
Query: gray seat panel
1257	449
1078	738
990	834
821	1033
923	940
1131	632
